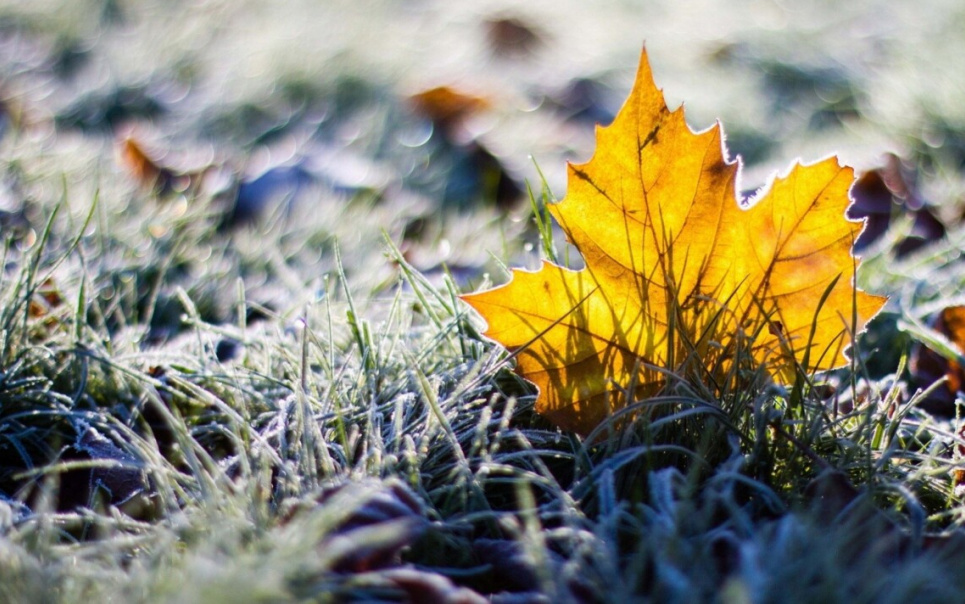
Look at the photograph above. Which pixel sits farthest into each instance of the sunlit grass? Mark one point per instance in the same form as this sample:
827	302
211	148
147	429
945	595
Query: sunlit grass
301	409
386	387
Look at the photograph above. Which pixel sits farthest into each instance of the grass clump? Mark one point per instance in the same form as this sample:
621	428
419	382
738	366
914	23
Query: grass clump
339	442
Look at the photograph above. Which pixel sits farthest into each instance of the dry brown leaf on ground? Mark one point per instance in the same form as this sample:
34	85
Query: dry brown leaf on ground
678	269
929	364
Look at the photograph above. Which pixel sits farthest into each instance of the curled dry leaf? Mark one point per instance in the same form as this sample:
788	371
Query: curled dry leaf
512	36
44	306
882	194
386	518
929	366
151	173
446	106
119	478
677	269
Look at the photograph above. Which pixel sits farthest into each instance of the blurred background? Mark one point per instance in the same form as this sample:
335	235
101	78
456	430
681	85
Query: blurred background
199	162
430	105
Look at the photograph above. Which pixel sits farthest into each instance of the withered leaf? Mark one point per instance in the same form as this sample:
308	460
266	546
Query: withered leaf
678	269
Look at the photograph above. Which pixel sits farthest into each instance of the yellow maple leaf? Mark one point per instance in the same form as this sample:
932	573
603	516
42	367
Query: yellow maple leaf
677	267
